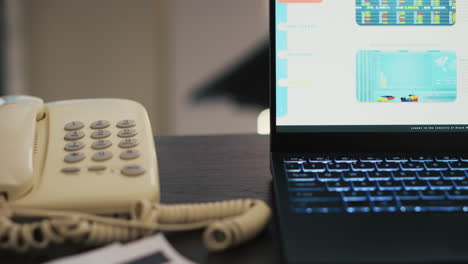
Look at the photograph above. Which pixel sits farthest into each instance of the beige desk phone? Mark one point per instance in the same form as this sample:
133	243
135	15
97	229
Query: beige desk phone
73	164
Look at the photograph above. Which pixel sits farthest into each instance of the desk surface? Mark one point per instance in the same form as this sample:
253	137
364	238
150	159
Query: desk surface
203	169
212	168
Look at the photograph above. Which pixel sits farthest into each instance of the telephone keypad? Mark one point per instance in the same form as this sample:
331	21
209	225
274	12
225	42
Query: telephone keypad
100	134
133	170
100	124
101	144
74	135
74	157
128	143
74	125
126	123
97	168
71	170
126	133
130	154
102	156
74	146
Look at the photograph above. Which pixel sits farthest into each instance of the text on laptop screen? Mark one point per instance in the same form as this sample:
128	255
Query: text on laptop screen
371	66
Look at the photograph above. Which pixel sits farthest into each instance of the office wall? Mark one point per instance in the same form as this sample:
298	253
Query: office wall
153	51
208	36
94	48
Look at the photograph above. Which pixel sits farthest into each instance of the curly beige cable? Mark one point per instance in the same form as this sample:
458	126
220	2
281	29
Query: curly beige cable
227	223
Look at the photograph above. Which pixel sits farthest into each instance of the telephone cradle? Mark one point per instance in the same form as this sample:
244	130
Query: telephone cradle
74	164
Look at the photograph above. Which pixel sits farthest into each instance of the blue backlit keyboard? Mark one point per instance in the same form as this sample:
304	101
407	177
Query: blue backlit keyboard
377	184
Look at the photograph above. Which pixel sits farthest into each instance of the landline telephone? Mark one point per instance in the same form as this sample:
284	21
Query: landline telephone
71	165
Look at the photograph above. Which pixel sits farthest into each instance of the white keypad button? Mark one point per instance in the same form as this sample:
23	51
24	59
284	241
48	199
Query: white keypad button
74	146
74	157
74	125
102	156
126	123
98	134
74	135
130	154
126	133
128	143
101	144
71	170
97	168
100	124
133	170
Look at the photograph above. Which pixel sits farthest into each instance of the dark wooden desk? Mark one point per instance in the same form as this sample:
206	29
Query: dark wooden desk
212	168
202	169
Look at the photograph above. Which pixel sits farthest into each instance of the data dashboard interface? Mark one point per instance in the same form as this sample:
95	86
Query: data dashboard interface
371	65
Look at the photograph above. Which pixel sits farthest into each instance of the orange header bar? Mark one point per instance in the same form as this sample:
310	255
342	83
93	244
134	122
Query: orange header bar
300	1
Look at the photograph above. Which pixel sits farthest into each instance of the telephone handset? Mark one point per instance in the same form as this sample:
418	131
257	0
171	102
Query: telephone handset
74	163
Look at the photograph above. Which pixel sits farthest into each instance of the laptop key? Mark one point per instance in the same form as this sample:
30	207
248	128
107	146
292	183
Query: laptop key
404	175
415	185
314	167
385	207
446	159
364	186
454	175
319	159
315	196
339	186
357	207
436	166
329	176
459	165
396	159
295	159
408	195
432	205
307	186
354	176
379	175
355	196
381	195
293	167
412	166
421	159
458	194
299	176
371	159
390	185
345	159
318	207
441	185
432	195
429	175
338	167
461	185
363	166
388	166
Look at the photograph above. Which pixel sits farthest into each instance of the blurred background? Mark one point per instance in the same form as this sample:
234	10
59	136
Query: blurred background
199	67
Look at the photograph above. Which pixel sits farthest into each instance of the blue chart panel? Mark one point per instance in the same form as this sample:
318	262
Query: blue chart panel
406	76
406	12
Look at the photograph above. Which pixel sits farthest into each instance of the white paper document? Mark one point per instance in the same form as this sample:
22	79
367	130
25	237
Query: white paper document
152	250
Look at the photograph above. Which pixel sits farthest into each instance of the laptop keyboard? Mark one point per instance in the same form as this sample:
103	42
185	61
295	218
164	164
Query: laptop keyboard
377	184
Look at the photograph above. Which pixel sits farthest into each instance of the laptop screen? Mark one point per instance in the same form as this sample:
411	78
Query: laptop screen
371	66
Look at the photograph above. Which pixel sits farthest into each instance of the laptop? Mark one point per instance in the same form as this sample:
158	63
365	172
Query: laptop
369	123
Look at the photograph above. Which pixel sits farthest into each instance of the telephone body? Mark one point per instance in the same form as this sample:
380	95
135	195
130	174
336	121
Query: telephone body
41	152
80	158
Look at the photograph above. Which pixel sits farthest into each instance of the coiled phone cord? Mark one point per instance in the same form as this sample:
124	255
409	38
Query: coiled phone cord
227	224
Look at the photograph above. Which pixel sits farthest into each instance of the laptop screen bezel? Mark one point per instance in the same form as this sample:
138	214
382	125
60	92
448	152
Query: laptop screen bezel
414	142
